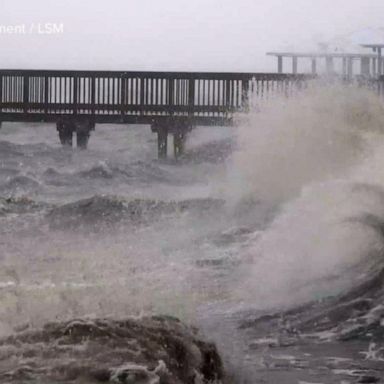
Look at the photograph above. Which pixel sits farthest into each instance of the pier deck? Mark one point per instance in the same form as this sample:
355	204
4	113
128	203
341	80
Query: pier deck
170	102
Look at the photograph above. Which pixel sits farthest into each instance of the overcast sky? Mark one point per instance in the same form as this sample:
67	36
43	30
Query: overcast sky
221	35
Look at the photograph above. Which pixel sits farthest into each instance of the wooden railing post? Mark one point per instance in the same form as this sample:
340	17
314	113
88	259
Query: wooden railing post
93	95
26	93
46	79
123	94
171	95
191	97
75	94
227	94
142	95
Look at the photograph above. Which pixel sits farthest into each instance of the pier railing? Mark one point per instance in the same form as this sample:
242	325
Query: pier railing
170	102
135	97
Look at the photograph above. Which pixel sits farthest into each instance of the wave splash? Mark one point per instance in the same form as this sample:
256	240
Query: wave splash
317	157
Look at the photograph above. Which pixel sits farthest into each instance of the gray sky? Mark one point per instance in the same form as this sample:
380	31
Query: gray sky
222	35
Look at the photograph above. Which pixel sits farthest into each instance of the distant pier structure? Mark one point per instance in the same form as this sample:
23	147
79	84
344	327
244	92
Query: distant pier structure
378	50
340	63
335	61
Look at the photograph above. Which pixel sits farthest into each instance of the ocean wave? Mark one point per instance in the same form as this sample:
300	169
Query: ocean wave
9	149
136	172
356	313
20	184
99	211
8	172
212	152
100	171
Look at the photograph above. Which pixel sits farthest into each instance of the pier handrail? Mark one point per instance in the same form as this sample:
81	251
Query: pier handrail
133	96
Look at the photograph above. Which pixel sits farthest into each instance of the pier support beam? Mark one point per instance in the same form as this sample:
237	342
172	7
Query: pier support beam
65	129
83	133
178	143
162	142
68	127
179	128
82	139
161	129
66	138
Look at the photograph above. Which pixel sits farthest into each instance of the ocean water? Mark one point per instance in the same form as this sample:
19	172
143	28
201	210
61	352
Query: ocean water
280	216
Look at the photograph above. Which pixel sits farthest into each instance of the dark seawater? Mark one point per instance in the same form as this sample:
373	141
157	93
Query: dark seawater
290	288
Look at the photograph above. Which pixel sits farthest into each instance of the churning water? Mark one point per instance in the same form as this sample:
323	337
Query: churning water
283	211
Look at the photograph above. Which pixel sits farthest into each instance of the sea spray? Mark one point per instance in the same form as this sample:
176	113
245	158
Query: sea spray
288	142
317	157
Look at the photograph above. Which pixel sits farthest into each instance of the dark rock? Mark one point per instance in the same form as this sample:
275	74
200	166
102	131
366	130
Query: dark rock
149	350
368	379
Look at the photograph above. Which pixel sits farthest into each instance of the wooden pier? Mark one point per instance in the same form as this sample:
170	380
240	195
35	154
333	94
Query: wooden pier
170	102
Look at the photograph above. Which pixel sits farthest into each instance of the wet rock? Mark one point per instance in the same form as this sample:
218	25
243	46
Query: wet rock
19	205
368	379
150	350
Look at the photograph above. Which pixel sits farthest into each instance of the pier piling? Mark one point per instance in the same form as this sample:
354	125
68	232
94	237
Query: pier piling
162	141
65	129
83	132
178	143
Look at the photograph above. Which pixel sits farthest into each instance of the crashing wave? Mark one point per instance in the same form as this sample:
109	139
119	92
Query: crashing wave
355	314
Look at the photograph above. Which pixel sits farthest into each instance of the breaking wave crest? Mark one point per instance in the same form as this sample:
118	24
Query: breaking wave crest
319	158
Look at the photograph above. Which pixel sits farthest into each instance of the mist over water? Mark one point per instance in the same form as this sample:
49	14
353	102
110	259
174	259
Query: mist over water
284	209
